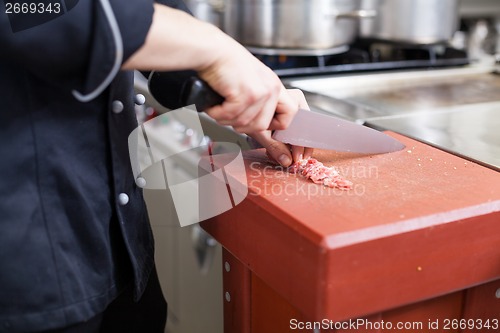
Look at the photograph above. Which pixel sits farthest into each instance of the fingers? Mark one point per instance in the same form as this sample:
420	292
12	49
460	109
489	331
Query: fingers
276	150
280	152
255	98
299	153
264	115
288	104
308	152
286	108
251	91
247	109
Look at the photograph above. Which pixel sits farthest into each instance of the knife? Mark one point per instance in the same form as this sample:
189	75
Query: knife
307	129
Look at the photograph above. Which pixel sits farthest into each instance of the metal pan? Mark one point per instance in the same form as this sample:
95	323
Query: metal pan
293	24
411	21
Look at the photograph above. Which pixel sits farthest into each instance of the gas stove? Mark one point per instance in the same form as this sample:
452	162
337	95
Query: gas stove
363	56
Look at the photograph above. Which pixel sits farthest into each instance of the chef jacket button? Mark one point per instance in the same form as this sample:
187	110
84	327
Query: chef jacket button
117	106
123	199
141	182
139	99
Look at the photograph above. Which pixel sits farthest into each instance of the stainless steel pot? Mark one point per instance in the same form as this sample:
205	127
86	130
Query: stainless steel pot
411	21
207	10
293	25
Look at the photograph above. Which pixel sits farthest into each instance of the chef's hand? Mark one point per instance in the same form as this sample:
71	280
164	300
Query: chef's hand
278	151
255	98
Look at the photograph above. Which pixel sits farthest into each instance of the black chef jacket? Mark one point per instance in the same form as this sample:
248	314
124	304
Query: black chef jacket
73	225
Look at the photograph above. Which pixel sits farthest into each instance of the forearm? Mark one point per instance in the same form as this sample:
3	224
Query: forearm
177	41
255	98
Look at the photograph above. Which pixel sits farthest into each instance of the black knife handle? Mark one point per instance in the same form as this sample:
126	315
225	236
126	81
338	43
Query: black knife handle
182	88
198	92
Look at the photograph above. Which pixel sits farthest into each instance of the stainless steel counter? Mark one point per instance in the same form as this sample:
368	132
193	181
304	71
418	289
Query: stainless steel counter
457	110
479	8
471	131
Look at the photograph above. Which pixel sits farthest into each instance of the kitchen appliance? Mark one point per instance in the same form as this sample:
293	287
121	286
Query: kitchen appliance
363	56
294	26
411	21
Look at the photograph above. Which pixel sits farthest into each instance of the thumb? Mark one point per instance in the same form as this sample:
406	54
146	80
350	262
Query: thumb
276	150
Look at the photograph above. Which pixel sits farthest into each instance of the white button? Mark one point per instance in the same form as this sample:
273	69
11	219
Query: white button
123	199
139	99
117	106
141	182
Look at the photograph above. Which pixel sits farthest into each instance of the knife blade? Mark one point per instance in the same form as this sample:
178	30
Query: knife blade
312	129
307	129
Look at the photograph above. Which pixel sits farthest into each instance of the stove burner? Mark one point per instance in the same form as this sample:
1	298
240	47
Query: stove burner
365	55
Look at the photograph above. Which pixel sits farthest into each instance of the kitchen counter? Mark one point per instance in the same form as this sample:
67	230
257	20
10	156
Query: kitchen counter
456	109
467	130
416	237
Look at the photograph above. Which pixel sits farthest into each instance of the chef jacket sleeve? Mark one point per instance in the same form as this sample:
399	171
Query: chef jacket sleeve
177	4
80	49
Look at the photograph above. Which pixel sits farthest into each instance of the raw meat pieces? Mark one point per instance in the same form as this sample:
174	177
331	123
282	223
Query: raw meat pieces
319	174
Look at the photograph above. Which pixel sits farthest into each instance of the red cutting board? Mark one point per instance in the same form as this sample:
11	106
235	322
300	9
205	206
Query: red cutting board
418	223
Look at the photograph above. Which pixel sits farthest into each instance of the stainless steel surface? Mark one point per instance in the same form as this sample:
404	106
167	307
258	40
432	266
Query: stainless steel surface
471	131
407	97
411	21
211	11
340	108
362	96
297	52
311	129
293	24
479	8
457	110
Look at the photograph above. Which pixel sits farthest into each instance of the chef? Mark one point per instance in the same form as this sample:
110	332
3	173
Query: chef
76	249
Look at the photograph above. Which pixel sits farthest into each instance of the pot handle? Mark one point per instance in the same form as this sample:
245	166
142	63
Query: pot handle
355	14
